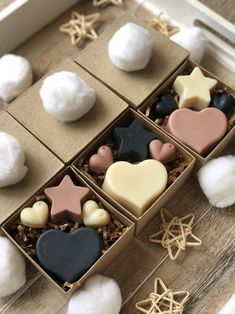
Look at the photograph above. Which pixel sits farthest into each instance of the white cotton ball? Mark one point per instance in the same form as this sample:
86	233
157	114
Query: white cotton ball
15	76
130	48
217	180
12	268
66	97
99	295
12	160
229	307
193	40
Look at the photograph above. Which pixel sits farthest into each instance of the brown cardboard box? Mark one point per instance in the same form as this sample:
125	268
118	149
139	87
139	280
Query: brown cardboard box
41	162
104	260
66	140
136	86
125	120
189	65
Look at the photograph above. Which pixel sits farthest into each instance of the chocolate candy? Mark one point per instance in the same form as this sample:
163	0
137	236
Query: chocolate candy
194	89
100	162
200	130
224	102
68	255
164	106
133	142
66	200
135	187
163	152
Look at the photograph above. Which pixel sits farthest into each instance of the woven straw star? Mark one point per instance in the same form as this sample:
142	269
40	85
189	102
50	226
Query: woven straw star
175	235
162	25
97	3
163	300
80	27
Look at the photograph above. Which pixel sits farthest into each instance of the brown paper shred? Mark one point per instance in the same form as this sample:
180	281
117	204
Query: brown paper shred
162	25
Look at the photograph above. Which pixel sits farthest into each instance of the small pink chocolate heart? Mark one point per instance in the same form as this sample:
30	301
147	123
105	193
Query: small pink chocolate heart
200	130
163	152
102	160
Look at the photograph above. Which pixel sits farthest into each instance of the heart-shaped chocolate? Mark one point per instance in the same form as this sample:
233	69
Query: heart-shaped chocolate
93	215
135	186
200	130
163	152
224	102
164	106
36	216
68	255
102	160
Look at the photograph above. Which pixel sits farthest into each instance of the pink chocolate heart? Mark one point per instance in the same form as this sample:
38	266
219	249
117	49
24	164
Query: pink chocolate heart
200	130
163	152
102	160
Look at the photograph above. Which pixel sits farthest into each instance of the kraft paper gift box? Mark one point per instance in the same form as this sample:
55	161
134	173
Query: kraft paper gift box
134	87
41	163
125	120
186	69
105	259
67	139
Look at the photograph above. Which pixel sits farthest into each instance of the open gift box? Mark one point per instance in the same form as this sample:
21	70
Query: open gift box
116	235
41	163
67	139
147	110
178	170
134	87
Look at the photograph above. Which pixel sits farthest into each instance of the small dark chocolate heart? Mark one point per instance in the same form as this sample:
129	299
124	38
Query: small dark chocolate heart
68	255
225	102
164	106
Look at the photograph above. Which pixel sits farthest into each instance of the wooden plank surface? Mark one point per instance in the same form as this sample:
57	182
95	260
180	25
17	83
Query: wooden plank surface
208	271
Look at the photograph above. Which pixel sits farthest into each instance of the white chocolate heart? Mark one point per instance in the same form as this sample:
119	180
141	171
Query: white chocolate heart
36	216
137	186
93	216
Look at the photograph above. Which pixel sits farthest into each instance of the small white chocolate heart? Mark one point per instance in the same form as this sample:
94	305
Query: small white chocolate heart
93	216
36	216
137	186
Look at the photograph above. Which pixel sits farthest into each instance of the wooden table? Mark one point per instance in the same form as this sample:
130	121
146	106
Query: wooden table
208	272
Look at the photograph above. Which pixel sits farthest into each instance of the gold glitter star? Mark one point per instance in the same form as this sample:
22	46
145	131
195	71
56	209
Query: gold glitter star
175	235
97	3
80	27
163	300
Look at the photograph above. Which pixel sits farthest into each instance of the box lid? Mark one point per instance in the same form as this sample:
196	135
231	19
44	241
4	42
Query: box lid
136	86
66	140
41	162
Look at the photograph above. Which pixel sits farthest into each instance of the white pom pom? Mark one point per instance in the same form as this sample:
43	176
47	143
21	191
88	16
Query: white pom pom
100	295
15	76
66	97
217	180
12	268
130	48
12	160
193	40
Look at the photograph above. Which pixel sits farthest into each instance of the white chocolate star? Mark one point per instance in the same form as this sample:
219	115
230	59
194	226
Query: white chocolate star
97	3
194	89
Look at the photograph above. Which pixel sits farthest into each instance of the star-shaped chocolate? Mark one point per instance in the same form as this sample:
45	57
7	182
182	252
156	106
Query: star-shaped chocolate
194	89
163	300
133	142
66	199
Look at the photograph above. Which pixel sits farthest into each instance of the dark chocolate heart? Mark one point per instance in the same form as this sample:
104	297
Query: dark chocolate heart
164	106
225	102
68	255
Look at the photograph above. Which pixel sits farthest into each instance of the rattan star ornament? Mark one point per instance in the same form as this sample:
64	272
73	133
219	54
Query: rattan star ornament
80	27
97	3
163	300
175	234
